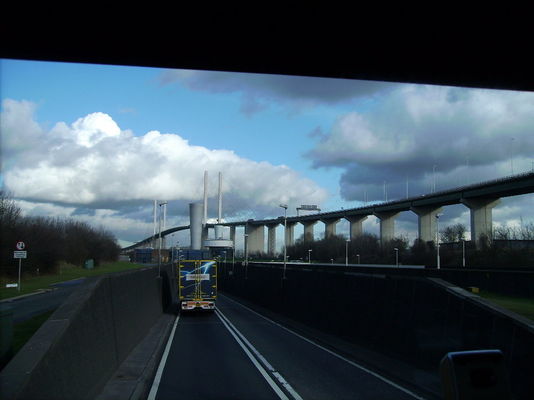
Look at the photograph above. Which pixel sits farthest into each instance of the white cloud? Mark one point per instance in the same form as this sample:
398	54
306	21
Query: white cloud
44	209
92	161
418	129
121	224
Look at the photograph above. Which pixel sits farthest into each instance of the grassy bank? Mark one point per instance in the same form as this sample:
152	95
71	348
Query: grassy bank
67	272
23	331
521	306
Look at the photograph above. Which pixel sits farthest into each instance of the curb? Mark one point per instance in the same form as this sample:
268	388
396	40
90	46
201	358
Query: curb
133	378
38	291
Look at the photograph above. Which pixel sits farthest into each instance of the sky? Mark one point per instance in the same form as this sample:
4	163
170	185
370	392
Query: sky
100	143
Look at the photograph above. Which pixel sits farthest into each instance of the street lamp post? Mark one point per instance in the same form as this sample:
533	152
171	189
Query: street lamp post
347	252
396	256
437	241
159	224
358	257
463	253
309	256
159	242
172	246
284	206
434	179
246	255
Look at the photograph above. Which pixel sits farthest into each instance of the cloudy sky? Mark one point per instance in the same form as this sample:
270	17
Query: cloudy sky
100	143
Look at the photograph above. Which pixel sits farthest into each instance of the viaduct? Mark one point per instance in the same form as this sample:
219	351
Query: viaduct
480	198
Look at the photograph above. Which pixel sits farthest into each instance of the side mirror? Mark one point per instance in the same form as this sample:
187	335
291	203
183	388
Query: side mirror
478	374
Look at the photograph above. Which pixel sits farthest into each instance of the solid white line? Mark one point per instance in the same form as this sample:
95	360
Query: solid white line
157	378
264	373
416	396
262	359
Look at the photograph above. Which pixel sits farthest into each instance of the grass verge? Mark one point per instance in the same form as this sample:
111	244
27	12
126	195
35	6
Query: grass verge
22	332
31	284
519	305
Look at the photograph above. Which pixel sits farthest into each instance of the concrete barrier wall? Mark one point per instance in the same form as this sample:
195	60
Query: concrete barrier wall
508	283
416	320
77	350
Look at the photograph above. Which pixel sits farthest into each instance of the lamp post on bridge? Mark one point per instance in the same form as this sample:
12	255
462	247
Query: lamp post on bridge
396	256
309	256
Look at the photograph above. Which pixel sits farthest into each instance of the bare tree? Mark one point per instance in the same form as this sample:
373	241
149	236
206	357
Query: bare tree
453	233
523	232
9	211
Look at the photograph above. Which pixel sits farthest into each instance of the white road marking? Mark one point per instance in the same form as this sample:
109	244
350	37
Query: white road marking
384	379
262	370
157	379
262	359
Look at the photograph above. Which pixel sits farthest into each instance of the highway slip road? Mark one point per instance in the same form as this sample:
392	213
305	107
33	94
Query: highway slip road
236	353
25	307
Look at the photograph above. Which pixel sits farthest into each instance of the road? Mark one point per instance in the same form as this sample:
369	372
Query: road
26	307
236	353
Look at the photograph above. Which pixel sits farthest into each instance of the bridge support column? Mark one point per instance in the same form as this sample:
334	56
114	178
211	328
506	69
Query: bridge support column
290	233
330	227
271	239
426	222
308	230
232	235
481	218
205	233
356	225
256	238
387	225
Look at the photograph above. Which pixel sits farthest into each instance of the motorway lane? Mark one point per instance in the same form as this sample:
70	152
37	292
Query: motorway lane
206	362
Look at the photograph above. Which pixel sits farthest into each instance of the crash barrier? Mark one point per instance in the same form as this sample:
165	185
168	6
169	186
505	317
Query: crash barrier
414	319
78	348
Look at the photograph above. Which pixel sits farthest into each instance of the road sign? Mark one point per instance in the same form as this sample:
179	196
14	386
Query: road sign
20	254
21	246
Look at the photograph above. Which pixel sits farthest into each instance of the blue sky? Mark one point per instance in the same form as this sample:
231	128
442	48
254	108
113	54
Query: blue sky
137	101
101	142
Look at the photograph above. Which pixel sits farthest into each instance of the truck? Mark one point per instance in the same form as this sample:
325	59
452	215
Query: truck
197	284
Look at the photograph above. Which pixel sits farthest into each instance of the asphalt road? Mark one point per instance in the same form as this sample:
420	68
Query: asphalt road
235	353
28	306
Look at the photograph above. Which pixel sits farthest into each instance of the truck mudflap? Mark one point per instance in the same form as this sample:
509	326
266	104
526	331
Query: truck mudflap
198	305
